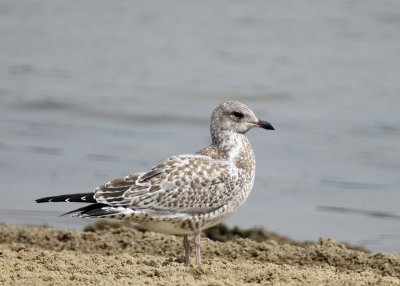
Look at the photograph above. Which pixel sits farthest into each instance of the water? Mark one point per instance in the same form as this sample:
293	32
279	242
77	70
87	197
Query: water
94	90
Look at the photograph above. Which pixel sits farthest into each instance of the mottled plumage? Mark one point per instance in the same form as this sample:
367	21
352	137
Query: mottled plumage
186	193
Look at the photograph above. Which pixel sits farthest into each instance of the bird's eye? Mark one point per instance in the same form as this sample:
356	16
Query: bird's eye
238	114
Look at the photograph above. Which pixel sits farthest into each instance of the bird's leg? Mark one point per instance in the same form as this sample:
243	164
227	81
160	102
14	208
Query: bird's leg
186	245
197	246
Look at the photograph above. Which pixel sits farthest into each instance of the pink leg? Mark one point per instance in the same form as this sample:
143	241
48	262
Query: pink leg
186	245
197	246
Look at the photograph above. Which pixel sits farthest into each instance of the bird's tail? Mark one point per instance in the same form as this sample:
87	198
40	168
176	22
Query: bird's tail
100	210
76	198
94	210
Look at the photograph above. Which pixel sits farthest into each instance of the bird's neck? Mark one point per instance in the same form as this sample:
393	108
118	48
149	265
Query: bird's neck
236	148
229	143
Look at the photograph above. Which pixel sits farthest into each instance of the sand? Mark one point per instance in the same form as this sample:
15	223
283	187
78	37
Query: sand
116	254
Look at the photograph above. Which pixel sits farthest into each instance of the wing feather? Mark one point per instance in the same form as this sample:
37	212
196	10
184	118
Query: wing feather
188	183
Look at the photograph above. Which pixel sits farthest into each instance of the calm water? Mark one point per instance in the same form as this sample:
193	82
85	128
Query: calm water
90	91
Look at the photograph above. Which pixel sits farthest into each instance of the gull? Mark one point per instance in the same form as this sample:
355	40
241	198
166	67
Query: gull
186	193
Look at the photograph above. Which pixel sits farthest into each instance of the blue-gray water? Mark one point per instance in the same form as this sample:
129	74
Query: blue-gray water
93	90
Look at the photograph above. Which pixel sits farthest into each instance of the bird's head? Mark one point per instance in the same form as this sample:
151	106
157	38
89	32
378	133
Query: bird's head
234	116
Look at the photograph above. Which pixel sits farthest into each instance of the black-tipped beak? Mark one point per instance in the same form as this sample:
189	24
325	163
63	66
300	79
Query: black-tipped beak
265	125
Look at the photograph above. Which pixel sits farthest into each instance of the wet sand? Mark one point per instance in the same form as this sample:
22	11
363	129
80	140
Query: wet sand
117	254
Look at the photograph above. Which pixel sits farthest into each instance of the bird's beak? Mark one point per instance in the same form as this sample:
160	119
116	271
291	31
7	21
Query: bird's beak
264	124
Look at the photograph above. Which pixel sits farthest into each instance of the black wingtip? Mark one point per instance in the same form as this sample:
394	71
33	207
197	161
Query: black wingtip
43	200
73	198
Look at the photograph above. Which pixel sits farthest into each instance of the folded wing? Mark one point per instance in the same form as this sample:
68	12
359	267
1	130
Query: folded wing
191	183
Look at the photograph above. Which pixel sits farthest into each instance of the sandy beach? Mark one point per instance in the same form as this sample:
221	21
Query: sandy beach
117	254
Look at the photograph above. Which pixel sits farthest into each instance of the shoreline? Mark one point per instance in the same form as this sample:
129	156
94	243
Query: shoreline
109	253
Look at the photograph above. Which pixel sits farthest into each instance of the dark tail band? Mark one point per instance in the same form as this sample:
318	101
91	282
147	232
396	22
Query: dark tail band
88	211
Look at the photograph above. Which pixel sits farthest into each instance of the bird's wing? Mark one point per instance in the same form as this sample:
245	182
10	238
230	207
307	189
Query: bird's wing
188	183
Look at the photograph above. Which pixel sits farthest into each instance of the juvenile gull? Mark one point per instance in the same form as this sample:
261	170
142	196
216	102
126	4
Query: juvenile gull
186	193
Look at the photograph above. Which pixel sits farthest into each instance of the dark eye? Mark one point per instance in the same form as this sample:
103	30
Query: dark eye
238	114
